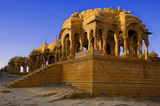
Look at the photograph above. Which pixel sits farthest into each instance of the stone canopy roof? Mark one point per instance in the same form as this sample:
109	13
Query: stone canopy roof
41	48
52	45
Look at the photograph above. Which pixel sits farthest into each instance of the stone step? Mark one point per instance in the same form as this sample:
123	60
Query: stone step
30	75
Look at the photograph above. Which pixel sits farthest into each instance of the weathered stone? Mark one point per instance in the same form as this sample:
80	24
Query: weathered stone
87	55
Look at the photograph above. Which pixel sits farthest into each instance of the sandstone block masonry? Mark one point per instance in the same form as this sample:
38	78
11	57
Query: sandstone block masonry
98	51
100	74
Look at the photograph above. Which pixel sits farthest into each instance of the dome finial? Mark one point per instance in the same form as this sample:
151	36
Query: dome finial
45	40
56	38
119	8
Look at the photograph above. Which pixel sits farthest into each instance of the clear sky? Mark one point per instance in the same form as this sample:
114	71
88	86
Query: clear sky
25	24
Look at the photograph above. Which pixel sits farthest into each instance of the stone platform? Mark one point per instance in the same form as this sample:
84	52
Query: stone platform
97	73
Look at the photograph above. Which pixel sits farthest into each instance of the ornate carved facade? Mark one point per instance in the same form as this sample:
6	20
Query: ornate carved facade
109	30
98	51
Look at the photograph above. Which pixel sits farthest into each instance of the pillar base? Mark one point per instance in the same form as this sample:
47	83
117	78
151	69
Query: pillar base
140	56
70	57
104	51
61	59
146	57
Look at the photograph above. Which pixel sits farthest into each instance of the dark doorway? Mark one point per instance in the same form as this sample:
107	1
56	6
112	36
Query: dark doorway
51	60
108	49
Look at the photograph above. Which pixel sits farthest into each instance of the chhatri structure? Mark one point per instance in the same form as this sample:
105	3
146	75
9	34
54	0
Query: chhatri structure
87	55
106	30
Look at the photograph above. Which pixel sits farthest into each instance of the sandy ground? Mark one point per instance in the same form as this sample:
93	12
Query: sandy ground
61	95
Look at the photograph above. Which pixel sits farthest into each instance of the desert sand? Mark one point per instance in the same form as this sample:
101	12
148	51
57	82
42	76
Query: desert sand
61	95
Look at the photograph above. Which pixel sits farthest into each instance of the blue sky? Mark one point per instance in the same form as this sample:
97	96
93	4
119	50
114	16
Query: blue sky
25	24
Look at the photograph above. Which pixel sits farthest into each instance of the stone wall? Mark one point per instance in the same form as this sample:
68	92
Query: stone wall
116	76
113	76
79	73
98	74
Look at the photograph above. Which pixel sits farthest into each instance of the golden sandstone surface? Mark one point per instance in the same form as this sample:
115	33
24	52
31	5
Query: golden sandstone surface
88	56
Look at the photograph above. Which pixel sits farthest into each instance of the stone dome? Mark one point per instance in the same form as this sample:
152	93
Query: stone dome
106	13
41	48
52	45
153	54
33	52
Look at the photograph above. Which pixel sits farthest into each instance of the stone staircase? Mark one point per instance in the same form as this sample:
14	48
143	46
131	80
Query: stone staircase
49	74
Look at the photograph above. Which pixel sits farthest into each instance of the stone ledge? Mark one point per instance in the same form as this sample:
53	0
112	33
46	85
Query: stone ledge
90	52
4	91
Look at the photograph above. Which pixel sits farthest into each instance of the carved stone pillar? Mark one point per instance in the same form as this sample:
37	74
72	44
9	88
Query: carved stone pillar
104	45
89	42
100	44
29	64
44	61
38	61
24	69
116	48
130	48
66	46
71	49
134	50
116	44
119	50
146	44
63	51
95	38
81	46
15	70
125	45
95	42
140	48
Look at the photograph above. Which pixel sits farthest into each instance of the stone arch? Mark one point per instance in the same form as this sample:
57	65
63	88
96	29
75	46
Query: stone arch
67	43
64	33
45	60
76	31
134	27
60	52
85	42
66	36
118	37
108	49
146	44
110	43
120	33
17	68
51	60
121	49
132	37
100	39
91	38
21	69
27	69
135	48
76	42
56	53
